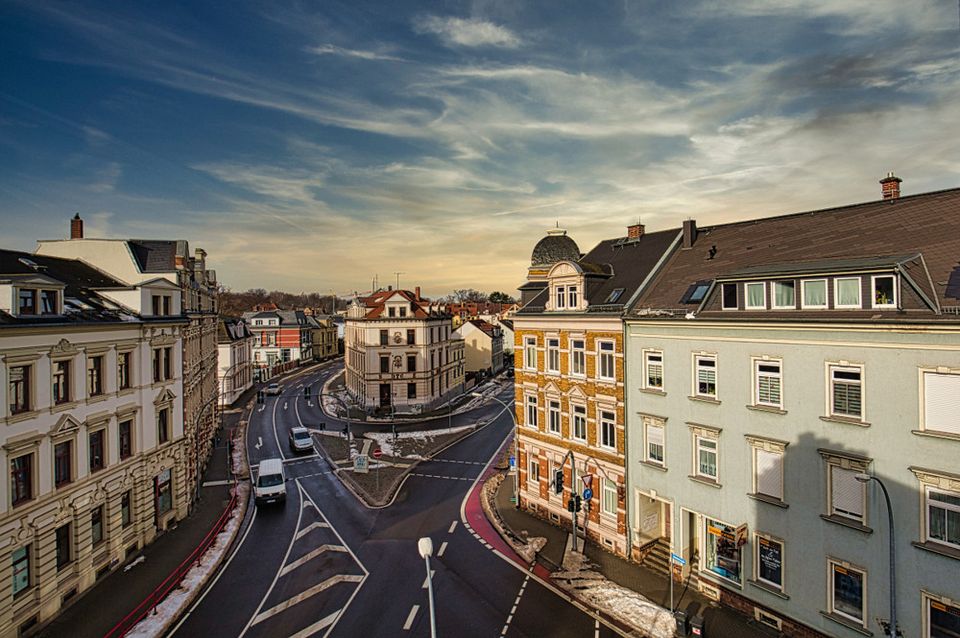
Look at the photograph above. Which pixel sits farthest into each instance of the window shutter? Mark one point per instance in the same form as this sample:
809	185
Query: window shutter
847	492
654	435
941	402
769	473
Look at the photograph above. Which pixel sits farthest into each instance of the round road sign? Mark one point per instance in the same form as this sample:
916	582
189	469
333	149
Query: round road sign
377	453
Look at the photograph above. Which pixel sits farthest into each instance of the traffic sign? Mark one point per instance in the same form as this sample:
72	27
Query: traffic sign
513	462
678	559
377	453
587	480
361	464
587	494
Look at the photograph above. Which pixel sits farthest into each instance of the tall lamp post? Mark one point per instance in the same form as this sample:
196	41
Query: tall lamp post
516	455
891	630
425	547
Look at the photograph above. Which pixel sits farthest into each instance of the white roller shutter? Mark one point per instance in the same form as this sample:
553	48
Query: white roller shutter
847	493
770	473
941	402
655	434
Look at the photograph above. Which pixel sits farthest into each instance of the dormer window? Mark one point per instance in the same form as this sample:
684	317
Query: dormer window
561	298
756	297
884	291
27	302
814	293
729	296
48	302
784	294
391	312
846	292
403	311
572	297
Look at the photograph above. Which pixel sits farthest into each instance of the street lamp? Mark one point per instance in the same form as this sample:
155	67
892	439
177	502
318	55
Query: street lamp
425	547
891	630
516	455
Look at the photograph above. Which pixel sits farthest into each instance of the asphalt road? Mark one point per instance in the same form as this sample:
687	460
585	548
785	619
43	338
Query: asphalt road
324	564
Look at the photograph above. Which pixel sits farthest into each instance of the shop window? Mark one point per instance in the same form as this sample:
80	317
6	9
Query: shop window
722	555
846	592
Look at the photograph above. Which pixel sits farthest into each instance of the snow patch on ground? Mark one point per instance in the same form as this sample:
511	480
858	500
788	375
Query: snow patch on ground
384	440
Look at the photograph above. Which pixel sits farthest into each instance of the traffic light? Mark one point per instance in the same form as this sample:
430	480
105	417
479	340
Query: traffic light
323	425
306	392
573	503
259	396
558	481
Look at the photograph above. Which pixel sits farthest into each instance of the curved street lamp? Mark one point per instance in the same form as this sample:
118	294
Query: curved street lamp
425	547
891	629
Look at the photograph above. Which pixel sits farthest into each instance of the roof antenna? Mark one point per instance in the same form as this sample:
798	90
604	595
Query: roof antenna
712	252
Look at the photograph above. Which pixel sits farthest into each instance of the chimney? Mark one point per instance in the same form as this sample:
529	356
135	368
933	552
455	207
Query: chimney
635	231
689	232
416	291
890	186
76	227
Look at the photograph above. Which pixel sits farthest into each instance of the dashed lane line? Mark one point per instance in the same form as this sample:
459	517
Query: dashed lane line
317	626
516	603
455	461
596	628
309	528
443	548
306	558
440	476
453	526
427	579
413	614
304	595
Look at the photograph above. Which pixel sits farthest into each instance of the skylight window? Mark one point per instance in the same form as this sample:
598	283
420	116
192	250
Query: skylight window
614	295
696	292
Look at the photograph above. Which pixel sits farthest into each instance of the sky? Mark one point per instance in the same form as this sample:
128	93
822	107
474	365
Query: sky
311	146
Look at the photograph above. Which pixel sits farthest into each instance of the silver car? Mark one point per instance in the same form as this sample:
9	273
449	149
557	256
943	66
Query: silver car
273	388
300	440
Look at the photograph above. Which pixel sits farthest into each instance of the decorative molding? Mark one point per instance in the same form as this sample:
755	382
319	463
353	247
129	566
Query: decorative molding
63	347
937	478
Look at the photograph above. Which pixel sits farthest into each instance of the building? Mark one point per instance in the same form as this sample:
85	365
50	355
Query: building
235	359
770	362
283	339
324	337
92	431
482	345
506	327
570	374
400	353
139	262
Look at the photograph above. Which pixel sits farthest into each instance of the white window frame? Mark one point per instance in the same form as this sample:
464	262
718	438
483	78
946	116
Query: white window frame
530	353
836	292
649	424
953	373
759	374
559	297
846	367
603	354
831	466
578	356
833	563
531	408
602	423
578	413
746	295
533	471
873	292
757	536
949	507
803	295
697	439
647	354
608	488
573	297
773	294
553	355
553	417
697	358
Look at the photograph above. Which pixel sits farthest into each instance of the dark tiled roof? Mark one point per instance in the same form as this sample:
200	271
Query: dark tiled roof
556	246
867	234
154	255
488	328
231	329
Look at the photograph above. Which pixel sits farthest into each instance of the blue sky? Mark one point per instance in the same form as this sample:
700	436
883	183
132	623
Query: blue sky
312	145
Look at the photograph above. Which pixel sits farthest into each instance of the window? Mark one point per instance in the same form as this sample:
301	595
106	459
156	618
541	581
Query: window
391	312
573	297
95	441
706	447
553	355
530	353
163	425
384	364
814	293
845	392
560	298
163	489
20	559
411	363
884	291
608	430
166	305
756	293
411	337
94	376
126	512
64	550
941	402
123	370
847	494
695	293
606	364
62	463
846	589
729	296
96	525
553	410
783	294
162	364
846	292
705	373
531	402
614	295
155	305
723	555
48	302
384	339
403	311
768	561
578	358
580	423
768	473
943	517
125	430
533	476
654	431
942	617
608	498
28	302
767	382
653	370
21	478
61	382
19	392
411	390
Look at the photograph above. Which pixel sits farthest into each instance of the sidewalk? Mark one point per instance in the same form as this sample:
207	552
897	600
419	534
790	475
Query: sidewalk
719	621
99	609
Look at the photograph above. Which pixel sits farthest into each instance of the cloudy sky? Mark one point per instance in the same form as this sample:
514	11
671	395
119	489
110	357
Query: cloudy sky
313	145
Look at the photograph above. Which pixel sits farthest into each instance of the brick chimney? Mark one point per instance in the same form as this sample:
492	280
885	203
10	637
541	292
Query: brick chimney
890	186
416	291
635	231
76	227
689	232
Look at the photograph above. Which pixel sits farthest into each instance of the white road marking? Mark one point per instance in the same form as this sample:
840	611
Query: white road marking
425	579
259	442
413	614
306	558
302	596
453	526
309	528
284	405
596	628
443	548
516	602
439	476
216	483
317	626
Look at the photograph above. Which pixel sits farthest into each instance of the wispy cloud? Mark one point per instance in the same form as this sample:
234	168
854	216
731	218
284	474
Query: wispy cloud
470	32
330	49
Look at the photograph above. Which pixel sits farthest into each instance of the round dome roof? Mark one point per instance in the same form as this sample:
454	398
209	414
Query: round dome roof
556	246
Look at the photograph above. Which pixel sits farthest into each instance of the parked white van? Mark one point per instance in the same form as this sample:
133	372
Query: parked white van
271	485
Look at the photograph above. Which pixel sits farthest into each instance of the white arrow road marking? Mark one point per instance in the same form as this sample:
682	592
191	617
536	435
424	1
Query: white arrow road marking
261	408
139	560
317	626
284	405
302	596
259	442
310	556
309	528
413	614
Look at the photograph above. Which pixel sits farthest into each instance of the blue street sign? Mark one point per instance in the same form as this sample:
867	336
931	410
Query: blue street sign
678	559
513	461
587	494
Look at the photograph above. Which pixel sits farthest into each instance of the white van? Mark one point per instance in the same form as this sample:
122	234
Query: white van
271	485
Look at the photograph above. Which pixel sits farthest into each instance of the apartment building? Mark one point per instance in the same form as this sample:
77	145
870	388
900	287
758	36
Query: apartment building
92	428
776	364
400	353
483	346
234	359
280	337
569	382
